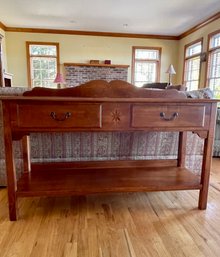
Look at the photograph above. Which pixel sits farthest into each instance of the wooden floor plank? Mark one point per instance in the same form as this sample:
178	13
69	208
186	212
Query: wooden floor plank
152	224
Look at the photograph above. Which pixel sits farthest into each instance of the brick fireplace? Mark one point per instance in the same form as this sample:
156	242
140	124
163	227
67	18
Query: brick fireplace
79	73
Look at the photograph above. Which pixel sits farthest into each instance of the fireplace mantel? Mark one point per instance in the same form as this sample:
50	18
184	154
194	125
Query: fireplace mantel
97	65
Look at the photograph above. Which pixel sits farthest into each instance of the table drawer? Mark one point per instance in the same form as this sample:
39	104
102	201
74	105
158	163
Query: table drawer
67	115
168	116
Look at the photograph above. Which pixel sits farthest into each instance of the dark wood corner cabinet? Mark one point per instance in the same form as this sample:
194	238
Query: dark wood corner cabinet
102	106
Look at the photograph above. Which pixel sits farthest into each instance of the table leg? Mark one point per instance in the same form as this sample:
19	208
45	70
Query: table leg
206	166
207	159
11	174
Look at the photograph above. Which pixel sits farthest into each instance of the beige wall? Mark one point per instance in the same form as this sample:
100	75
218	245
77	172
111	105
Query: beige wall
201	33
82	49
75	48
4	55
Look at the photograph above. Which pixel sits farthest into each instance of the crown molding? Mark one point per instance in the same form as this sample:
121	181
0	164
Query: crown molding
112	34
200	25
2	26
89	33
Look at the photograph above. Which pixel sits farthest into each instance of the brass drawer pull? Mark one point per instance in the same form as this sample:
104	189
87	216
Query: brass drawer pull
173	116
63	117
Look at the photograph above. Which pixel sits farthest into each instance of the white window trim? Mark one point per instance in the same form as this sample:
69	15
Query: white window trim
191	57
158	62
28	43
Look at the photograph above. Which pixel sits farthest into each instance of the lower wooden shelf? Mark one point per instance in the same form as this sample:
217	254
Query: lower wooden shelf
90	181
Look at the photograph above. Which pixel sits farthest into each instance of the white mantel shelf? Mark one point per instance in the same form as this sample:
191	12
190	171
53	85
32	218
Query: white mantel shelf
7	75
97	65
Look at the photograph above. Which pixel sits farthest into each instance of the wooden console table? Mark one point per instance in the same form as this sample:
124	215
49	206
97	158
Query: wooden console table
43	110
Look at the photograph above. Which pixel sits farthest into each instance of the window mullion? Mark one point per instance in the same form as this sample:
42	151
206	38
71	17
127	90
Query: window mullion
213	65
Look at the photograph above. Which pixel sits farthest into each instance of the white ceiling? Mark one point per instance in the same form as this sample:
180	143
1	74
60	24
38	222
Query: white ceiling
158	17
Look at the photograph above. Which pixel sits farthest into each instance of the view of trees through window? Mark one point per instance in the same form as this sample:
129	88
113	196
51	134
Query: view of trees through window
43	59
213	75
192	65
146	65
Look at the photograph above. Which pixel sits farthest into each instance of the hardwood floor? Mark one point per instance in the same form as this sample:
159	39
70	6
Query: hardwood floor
114	225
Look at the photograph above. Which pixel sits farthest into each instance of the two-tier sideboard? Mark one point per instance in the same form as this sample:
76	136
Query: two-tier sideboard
112	107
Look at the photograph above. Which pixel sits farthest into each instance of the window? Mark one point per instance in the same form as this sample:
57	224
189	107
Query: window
145	65
43	59
192	60
213	71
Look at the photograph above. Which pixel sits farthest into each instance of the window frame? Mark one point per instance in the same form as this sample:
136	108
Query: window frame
1	63
28	43
191	57
209	52
158	62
